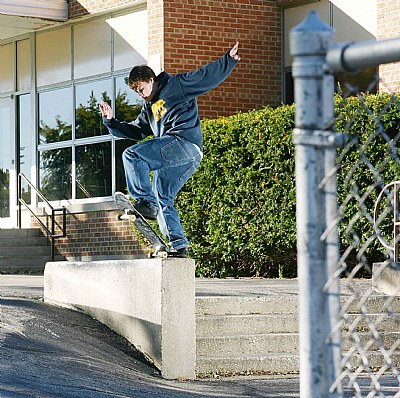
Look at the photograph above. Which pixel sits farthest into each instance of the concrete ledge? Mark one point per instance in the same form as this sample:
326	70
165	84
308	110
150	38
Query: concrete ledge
386	278
150	302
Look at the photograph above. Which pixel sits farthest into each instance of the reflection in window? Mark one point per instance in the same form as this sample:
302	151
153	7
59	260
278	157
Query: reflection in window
88	120
127	102
93	170
120	146
55	115
55	173
25	131
6	156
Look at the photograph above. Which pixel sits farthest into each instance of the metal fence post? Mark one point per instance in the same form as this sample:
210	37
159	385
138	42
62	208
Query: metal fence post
310	41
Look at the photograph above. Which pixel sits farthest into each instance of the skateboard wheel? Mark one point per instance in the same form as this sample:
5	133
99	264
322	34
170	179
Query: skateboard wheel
163	254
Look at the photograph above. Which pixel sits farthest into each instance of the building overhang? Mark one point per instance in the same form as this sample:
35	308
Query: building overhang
18	17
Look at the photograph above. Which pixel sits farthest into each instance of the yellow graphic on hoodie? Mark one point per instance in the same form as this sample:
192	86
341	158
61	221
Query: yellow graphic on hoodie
158	109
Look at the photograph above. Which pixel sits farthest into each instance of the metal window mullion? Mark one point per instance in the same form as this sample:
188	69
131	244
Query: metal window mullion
35	119
113	141
73	147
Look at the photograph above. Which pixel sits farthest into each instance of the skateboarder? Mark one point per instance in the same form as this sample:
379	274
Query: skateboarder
170	114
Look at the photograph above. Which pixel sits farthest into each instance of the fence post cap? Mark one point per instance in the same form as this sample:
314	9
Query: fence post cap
311	37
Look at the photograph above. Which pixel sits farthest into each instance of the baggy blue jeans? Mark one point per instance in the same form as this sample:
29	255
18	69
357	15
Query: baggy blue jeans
173	160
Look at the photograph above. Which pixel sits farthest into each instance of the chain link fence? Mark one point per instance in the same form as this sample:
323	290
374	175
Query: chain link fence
348	218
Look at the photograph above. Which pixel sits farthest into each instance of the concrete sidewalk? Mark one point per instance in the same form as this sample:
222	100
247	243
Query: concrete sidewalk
31	286
53	352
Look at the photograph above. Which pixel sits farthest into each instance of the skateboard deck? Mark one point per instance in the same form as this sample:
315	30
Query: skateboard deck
160	248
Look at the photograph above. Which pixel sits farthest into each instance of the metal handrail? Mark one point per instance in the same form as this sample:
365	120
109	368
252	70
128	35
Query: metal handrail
50	232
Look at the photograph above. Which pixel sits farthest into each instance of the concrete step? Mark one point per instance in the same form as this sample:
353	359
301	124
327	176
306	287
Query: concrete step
259	344
284	343
374	304
381	322
375	360
246	305
385	340
20	232
25	251
227	325
228	365
28	264
279	363
26	241
259	335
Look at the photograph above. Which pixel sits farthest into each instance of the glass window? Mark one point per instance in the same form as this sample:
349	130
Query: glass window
120	182
92	49
6	156
53	56
88	122
24	65
130	47
7	63
127	102
93	170
127	107
55	173
26	141
55	115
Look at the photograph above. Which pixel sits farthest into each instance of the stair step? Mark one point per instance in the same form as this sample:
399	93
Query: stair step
382	322
29	264
22	242
246	305
246	324
375	304
20	232
375	360
25	251
386	340
248	344
228	365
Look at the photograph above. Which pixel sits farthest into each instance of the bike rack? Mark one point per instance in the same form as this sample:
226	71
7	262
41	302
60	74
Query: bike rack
396	219
50	232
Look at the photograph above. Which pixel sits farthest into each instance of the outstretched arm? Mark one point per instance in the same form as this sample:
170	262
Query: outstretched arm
136	130
209	76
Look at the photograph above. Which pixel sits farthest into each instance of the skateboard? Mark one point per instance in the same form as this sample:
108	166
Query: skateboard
160	248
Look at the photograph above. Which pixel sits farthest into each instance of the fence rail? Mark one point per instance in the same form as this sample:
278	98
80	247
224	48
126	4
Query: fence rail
349	343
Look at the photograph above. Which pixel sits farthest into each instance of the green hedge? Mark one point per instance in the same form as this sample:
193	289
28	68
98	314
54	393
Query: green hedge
238	209
367	166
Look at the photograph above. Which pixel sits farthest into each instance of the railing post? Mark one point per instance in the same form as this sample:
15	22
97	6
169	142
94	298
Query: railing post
310	41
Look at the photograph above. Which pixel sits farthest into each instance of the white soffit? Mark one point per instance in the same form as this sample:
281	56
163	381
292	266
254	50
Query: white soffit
18	17
48	9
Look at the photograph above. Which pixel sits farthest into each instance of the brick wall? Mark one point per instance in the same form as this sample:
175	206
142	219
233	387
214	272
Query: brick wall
155	13
199	31
389	27
97	234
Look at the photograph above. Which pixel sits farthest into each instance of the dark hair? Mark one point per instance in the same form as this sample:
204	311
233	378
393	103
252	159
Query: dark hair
140	73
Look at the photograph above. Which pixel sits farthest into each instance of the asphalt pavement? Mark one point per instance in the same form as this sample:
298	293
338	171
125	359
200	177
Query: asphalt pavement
52	352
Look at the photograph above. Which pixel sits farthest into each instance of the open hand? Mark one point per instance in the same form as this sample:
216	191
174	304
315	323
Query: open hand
106	110
234	53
